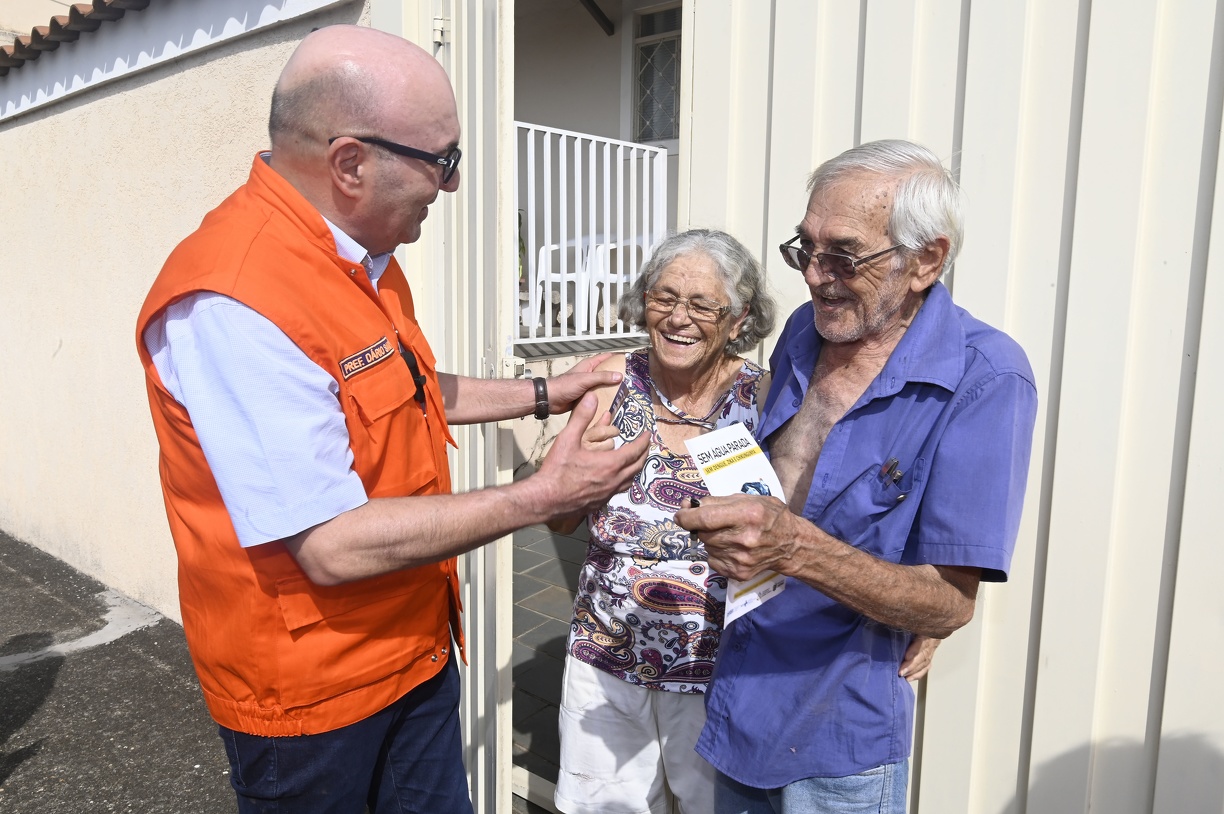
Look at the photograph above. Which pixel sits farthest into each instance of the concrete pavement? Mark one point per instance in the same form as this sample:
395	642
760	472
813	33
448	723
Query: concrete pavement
100	710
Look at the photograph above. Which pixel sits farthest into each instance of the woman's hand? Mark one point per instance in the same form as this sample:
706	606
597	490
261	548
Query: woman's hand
918	657
601	434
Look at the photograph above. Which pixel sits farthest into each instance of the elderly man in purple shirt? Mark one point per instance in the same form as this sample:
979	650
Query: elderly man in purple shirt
900	428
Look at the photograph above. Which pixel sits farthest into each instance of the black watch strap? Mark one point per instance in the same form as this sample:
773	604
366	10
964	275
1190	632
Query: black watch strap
541	397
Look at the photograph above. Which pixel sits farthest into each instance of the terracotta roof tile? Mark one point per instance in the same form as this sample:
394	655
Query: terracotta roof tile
59	30
81	18
38	39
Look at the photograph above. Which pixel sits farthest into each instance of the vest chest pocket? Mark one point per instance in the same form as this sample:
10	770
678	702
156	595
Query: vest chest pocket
381	390
395	454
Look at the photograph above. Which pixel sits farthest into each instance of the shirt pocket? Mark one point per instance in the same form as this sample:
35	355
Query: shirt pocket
859	513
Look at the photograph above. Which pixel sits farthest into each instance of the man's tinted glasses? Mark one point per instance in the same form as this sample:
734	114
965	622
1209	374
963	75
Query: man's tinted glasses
841	266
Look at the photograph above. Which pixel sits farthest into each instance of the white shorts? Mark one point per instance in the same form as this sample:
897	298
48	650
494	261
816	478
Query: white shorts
629	750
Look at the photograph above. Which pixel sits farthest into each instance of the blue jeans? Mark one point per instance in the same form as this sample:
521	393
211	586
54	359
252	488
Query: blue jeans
406	758
876	791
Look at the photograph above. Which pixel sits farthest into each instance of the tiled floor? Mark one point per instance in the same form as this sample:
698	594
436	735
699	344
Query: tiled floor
545	576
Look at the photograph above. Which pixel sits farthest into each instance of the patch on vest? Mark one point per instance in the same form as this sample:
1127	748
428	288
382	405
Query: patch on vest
362	359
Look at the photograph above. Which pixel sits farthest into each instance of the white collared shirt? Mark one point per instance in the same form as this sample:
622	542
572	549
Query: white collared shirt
268	418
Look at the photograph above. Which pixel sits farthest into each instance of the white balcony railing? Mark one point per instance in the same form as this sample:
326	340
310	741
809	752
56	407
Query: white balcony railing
590	209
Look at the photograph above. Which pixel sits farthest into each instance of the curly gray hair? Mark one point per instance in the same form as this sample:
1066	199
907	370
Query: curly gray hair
739	271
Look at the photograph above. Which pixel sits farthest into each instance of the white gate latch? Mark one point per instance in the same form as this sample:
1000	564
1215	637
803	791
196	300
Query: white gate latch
441	30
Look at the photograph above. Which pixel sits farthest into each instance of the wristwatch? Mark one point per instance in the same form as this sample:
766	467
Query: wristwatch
541	397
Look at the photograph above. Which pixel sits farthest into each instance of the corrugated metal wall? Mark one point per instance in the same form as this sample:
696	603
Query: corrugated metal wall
1086	136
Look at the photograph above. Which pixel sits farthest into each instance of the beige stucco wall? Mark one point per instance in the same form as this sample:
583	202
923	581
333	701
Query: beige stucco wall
98	190
22	15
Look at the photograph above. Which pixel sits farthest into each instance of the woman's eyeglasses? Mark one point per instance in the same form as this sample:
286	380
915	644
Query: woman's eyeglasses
699	310
841	266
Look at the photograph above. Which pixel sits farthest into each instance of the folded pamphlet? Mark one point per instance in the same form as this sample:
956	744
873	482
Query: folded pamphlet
731	462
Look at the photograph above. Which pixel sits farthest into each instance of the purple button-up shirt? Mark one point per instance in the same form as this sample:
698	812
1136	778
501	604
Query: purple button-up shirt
804	686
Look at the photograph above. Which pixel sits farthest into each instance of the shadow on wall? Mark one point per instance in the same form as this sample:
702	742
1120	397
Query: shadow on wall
1188	763
24	690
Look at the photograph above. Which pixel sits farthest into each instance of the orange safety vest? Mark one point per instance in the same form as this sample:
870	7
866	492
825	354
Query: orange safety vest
276	654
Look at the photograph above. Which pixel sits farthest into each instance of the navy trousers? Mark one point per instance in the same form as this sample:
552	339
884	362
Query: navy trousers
406	758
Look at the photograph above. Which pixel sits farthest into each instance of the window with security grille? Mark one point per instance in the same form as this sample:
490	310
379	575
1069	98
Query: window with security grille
657	68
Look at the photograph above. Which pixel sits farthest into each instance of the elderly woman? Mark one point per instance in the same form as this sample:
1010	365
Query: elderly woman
648	611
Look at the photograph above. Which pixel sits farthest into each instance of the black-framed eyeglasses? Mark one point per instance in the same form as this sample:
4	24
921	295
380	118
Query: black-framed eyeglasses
841	266
448	162
699	310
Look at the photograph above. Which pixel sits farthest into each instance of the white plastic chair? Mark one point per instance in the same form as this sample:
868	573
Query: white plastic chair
548	275
594	267
613	267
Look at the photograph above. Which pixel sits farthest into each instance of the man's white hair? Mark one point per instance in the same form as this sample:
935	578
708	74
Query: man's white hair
927	203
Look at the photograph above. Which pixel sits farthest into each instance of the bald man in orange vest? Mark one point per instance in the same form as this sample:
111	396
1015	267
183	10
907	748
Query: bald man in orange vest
303	430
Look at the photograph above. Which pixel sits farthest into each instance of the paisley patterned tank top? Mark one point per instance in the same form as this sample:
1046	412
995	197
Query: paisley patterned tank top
648	608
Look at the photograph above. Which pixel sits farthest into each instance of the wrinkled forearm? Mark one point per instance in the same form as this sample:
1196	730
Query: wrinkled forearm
389	534
475	401
924	599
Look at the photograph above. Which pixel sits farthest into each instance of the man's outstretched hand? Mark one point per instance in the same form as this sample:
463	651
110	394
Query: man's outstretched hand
579	475
565	390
